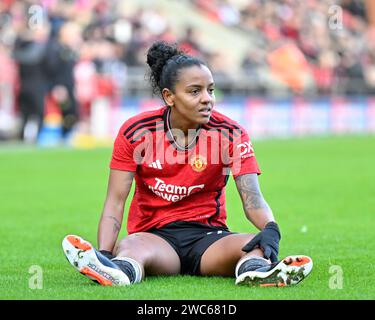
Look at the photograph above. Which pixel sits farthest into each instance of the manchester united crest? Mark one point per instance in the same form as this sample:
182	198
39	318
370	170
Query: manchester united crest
198	163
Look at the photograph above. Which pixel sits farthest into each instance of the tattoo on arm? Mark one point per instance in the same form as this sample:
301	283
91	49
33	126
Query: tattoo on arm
249	190
116	225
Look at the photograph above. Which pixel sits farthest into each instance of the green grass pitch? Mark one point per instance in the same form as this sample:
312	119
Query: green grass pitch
321	190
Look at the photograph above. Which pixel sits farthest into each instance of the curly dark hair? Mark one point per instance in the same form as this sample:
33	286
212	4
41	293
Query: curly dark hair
165	60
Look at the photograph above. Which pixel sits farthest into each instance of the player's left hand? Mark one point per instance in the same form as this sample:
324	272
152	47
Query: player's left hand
267	240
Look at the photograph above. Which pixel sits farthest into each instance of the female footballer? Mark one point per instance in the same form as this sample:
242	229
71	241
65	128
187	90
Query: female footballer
181	156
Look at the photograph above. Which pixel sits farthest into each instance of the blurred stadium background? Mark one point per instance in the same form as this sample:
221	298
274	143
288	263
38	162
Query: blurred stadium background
72	71
298	75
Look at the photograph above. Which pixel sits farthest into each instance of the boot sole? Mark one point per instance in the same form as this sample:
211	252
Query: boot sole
81	255
290	271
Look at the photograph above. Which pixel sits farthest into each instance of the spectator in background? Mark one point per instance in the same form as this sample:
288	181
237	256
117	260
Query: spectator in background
190	42
351	74
85	79
111	72
355	7
109	65
8	89
324	71
218	62
29	52
370	73
228	14
140	36
252	65
61	58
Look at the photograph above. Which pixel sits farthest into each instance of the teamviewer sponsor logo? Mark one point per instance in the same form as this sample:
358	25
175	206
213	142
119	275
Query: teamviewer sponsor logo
171	192
246	149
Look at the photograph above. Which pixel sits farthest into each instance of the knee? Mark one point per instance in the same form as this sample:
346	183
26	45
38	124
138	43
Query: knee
129	243
134	247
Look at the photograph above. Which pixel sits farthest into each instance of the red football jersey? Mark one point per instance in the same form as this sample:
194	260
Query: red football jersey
175	183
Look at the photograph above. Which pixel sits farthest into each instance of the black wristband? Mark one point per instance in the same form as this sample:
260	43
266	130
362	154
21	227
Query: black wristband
107	254
274	226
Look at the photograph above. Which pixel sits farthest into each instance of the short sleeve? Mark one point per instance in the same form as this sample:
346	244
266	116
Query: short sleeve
243	160
123	154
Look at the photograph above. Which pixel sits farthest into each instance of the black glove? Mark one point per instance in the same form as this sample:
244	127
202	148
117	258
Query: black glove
107	254
268	240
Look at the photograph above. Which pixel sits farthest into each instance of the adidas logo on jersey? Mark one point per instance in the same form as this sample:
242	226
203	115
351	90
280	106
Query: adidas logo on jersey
156	165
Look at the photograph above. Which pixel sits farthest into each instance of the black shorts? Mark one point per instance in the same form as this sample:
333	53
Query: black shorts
190	240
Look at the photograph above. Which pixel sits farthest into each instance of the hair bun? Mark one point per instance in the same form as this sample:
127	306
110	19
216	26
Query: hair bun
157	56
159	53
165	60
